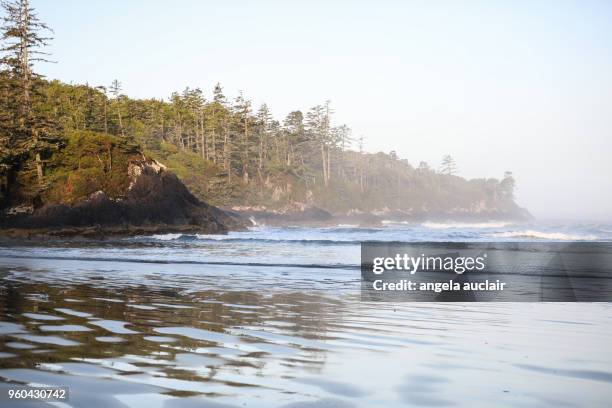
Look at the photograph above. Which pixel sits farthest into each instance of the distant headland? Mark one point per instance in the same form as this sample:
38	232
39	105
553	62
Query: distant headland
85	159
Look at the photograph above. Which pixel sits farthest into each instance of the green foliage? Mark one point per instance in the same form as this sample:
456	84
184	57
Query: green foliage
88	163
188	166
61	143
207	145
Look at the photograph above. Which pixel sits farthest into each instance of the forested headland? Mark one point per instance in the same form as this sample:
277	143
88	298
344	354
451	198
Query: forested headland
61	143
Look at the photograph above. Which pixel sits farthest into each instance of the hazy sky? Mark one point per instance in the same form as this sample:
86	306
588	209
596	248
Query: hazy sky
501	85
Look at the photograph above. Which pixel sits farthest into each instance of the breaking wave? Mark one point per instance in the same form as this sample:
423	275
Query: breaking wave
552	236
225	238
441	225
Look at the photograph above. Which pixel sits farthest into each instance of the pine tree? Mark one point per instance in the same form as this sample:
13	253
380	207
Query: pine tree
264	121
507	185
296	139
104	99
195	103
423	167
341	139
316	129
214	117
115	90
7	128
221	118
328	140
242	109
30	133
21	34
361	166
448	166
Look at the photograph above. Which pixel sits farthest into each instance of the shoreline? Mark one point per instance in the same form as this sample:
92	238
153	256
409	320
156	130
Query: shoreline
102	232
316	217
225	220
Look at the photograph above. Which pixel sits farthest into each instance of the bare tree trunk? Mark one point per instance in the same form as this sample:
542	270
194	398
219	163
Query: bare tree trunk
204	139
324	163
179	131
26	75
120	120
39	162
163	127
245	163
203	146
110	157
213	147
328	165
105	118
361	179
260	164
226	150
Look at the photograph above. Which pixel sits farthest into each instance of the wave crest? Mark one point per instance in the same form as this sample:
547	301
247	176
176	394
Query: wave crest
442	225
553	236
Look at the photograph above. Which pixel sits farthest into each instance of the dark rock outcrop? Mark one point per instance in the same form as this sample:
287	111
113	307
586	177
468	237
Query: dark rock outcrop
155	201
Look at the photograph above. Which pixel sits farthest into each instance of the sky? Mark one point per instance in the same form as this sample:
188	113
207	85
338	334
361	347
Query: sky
500	85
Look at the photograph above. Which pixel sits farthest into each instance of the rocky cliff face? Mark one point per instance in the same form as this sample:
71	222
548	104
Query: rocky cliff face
144	198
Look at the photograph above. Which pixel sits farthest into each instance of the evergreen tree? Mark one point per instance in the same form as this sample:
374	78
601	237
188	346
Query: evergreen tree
264	122
220	119
307	159
318	129
214	116
22	40
423	167
242	111
28	133
296	139
115	90
448	166
104	104
507	185
362	165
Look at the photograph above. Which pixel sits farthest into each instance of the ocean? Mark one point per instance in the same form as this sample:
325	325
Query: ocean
272	317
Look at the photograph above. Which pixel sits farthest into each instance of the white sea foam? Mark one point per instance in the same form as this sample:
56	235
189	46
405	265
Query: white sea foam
173	237
490	224
554	236
167	237
215	237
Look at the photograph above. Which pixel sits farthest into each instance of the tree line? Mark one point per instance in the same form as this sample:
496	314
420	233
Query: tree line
244	142
244	145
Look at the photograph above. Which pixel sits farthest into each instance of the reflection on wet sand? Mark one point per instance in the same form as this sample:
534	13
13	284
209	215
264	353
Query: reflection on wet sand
178	335
205	343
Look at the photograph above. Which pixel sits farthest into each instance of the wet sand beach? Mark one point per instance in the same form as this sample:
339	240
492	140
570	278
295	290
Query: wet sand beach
185	322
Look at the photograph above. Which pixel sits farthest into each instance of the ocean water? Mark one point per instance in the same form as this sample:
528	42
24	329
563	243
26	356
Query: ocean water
272	317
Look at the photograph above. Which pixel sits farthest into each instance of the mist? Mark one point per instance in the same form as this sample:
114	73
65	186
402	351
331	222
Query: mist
498	85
